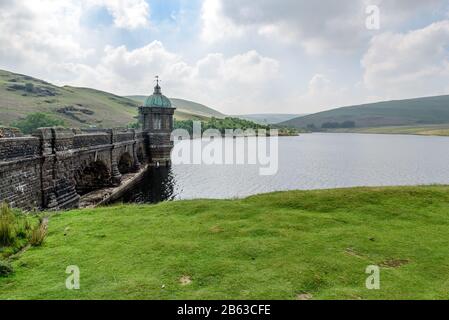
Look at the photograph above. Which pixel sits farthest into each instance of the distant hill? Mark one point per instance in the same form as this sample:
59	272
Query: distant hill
21	95
268	118
410	112
187	110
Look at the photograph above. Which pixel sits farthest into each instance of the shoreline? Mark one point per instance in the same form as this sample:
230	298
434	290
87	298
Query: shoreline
108	195
110	200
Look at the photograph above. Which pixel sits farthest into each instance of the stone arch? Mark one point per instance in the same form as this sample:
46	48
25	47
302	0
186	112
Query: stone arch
139	153
93	176
125	163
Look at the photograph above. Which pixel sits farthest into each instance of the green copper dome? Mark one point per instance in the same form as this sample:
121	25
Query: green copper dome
157	99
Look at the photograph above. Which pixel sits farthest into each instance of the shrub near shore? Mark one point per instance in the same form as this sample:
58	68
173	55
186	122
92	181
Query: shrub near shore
17	232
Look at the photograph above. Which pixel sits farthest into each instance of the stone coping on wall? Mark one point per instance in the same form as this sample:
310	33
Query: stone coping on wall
12	161
19	148
56	140
9	132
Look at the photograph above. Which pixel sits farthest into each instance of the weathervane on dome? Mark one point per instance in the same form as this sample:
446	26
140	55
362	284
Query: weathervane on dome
157	89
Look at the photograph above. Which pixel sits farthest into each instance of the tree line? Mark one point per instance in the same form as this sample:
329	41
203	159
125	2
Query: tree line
38	120
220	125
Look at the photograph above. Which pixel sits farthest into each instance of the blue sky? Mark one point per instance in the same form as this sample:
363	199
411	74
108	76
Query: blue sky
238	56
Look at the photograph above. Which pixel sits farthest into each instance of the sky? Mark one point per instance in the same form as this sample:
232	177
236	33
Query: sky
237	56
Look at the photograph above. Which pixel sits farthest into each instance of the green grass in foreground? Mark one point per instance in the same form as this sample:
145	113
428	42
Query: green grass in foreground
274	246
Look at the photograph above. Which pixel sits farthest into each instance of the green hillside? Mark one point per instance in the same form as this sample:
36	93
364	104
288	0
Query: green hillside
424	130
285	245
187	110
268	118
21	95
411	112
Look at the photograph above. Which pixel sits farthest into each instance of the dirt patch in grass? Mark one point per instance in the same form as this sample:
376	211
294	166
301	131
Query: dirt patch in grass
216	229
185	280
394	263
354	253
304	296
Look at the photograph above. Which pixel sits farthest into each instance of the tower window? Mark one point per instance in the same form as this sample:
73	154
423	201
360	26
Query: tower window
166	123
157	121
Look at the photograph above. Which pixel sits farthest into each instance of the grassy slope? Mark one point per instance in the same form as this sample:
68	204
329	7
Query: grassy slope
428	130
412	112
186	110
268	246
110	110
268	118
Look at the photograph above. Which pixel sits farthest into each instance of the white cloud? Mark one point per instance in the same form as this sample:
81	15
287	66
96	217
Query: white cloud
216	25
241	82
249	67
45	39
55	41
37	36
318	84
44	34
416	63
36	28
323	93
127	14
317	26
233	82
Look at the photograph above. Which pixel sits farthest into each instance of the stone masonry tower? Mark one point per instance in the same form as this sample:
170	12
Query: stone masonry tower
156	120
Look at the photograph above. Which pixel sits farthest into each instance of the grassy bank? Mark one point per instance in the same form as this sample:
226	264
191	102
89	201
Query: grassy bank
314	244
424	130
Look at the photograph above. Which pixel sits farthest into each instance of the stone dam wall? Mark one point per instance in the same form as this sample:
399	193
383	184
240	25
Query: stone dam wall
52	168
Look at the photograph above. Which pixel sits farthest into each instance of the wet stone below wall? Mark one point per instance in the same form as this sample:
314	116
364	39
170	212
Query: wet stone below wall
156	185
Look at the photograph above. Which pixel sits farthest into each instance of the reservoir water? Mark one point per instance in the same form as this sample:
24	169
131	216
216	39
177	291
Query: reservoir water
309	161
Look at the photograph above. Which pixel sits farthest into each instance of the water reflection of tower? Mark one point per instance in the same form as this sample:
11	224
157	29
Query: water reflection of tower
162	185
157	185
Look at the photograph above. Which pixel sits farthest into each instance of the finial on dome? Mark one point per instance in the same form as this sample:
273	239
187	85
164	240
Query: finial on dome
157	88
157	99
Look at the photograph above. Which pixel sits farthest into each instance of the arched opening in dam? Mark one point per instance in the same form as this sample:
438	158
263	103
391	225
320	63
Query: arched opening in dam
125	164
92	177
